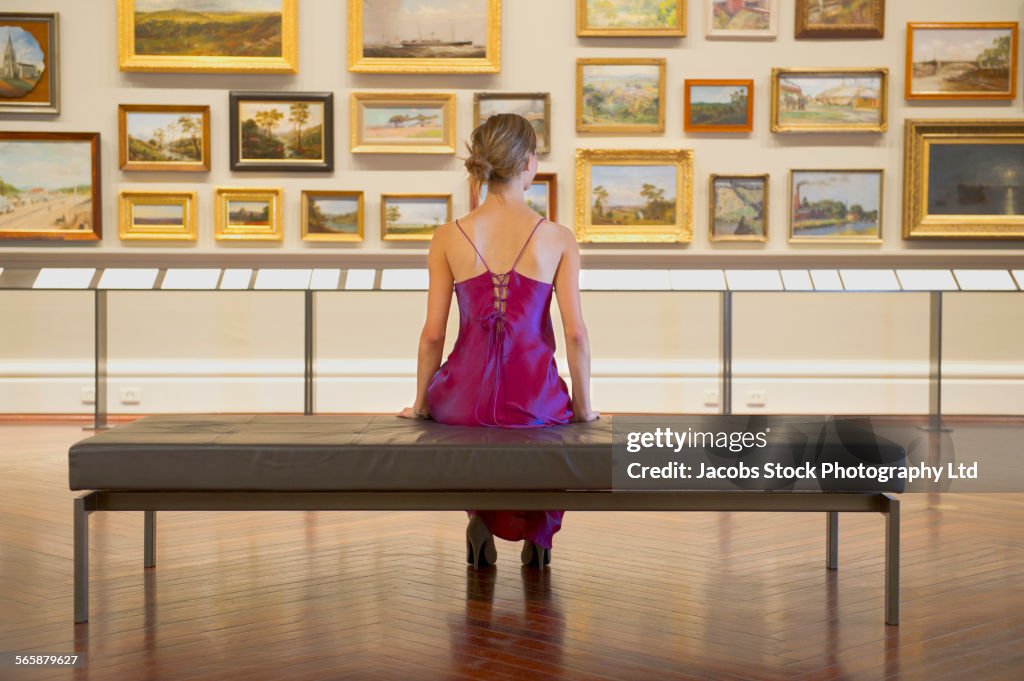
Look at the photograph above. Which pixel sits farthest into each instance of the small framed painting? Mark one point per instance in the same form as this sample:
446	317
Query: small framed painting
50	186
620	95
835	206
840	19
963	179
158	216
212	36
631	196
718	105
163	137
961	60
424	36
741	19
830	100
738	208
282	131
30	70
332	216
625	18
402	123
413	217
534	107
541	195
248	214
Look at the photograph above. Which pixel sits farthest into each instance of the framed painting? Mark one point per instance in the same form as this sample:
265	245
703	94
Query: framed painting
738	208
840	19
213	36
30	68
718	105
835	206
163	137
50	186
830	100
961	60
402	123
424	36
541	195
741	19
620	95
413	217
963	179
332	216
534	107
247	214
625	18
634	196
282	131
158	216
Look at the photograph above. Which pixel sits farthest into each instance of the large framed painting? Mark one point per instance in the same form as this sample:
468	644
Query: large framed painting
840	19
718	105
282	131
413	217
541	195
830	100
641	18
247	214
213	36
424	36
163	137
961	60
533	106
335	216
402	123
158	216
738	208
50	186
620	95
631	196
835	206
741	19
30	67
963	179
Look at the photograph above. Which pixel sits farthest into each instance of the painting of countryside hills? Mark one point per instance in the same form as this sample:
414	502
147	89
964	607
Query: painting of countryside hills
45	186
718	105
623	14
633	194
742	15
217	28
165	137
276	131
22	64
840	12
616	94
425	29
403	123
249	213
333	216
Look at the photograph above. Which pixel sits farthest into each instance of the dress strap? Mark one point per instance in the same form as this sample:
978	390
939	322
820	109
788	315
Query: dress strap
527	243
478	254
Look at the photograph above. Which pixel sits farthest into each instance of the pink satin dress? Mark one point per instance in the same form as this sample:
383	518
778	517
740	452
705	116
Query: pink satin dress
501	373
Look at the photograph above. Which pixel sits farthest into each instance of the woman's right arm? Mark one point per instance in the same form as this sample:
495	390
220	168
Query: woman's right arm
577	342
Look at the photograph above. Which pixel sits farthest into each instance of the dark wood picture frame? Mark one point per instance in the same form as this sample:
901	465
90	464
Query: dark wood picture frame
44	96
805	30
125	163
689	126
324	164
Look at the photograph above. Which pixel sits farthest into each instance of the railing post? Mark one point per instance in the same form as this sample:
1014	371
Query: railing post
726	327
310	330
99	419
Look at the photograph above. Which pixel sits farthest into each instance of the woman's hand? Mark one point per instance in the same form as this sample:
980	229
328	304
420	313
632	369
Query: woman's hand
411	413
585	415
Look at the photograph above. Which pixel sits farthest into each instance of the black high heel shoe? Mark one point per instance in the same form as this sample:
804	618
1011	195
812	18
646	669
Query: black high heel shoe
480	549
534	556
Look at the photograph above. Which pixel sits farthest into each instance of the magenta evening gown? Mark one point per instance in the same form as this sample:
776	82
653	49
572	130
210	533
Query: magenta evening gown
501	373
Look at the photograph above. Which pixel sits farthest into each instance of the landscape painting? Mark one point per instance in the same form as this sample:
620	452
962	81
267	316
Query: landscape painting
620	95
633	194
719	106
28	67
158	216
806	100
840	18
741	18
246	214
49	186
536	108
836	205
403	123
961	61
278	131
976	178
631	18
164	137
739	208
414	217
332	216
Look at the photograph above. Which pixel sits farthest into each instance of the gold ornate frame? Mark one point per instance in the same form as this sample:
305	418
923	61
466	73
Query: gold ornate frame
680	231
361	146
187	232
123	110
839	239
384	198
309	195
881	126
677	31
913	26
646	128
919	135
543	144
874	29
489	63
765	178
225	232
128	60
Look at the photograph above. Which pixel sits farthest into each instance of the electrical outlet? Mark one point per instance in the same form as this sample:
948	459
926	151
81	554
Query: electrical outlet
131	395
757	397
711	397
88	395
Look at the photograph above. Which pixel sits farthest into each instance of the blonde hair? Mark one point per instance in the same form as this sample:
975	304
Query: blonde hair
500	148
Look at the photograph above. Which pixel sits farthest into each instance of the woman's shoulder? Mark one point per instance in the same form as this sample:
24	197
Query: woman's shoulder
559	232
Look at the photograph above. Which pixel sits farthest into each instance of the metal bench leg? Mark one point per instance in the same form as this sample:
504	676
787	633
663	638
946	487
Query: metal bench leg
81	525
150	539
892	561
832	540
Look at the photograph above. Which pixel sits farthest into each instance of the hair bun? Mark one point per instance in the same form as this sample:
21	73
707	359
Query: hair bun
479	167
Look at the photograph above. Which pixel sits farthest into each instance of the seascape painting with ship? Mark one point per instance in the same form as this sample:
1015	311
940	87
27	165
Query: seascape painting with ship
415	29
976	179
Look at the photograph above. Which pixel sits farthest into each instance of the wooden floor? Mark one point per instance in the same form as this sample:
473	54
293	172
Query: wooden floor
631	596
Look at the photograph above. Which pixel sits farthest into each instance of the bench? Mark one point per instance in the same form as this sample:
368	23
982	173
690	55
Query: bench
317	463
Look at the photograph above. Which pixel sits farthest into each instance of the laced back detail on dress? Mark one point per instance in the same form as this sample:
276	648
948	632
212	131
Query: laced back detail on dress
500	281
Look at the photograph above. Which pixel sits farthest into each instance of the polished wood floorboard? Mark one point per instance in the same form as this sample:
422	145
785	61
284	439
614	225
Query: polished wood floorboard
630	596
